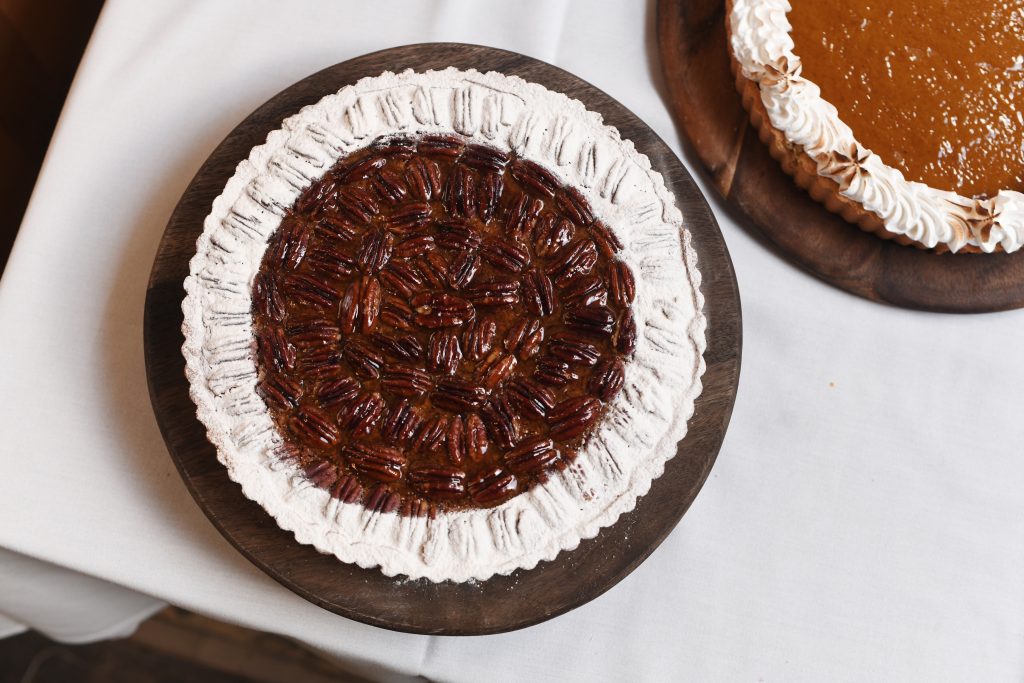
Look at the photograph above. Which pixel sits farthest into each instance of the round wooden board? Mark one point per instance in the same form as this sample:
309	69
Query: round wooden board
695	61
502	603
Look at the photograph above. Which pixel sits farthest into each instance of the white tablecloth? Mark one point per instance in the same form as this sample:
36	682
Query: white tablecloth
65	604
865	519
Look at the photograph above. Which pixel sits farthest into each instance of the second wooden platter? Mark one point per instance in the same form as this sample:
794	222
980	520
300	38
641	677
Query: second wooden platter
702	95
501	603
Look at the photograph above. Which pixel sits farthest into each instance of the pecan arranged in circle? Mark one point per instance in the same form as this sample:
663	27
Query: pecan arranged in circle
439	325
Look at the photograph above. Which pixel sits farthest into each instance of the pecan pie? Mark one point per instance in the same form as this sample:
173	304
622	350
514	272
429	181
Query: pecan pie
447	324
439	324
904	117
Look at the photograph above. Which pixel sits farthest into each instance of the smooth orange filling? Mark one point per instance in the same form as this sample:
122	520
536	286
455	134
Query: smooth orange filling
934	87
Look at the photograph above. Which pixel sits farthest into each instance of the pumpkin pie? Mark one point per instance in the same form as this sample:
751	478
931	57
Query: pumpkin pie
904	117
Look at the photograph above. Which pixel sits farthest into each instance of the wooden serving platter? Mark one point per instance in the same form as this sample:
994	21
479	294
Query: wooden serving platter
702	95
502	603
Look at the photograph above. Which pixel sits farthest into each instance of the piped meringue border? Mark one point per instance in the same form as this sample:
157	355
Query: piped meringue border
644	423
761	45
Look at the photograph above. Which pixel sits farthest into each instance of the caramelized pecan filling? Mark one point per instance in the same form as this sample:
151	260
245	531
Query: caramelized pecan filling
439	325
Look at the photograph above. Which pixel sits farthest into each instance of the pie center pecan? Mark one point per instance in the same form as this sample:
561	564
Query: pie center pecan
439	325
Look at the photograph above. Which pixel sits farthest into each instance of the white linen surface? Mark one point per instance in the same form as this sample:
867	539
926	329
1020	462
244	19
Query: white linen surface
864	520
65	604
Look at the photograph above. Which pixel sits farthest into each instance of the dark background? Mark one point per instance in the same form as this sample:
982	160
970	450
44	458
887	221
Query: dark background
41	43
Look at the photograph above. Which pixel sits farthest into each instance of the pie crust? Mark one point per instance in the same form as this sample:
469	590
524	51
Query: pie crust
643	424
806	135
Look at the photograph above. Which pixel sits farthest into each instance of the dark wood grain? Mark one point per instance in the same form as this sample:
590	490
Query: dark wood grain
504	602
702	95
172	646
